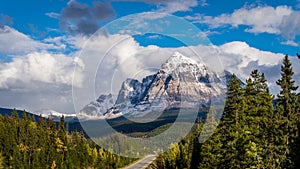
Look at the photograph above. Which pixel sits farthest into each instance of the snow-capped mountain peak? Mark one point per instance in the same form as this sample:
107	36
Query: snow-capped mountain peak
181	82
178	63
177	57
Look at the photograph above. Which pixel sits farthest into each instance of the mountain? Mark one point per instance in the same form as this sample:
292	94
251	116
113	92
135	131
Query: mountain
72	121
56	116
70	118
180	83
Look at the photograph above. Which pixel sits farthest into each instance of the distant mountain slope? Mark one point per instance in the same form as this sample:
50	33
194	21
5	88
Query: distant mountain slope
71	124
47	113
6	111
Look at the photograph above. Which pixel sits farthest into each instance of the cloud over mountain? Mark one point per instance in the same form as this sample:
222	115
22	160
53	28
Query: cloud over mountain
43	79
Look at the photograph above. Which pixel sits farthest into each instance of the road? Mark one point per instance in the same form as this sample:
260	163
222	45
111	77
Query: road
142	163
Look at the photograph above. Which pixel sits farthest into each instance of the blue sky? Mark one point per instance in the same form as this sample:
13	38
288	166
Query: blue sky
32	18
41	39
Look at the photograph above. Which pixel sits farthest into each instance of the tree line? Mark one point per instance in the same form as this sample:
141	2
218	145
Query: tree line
256	130
25	143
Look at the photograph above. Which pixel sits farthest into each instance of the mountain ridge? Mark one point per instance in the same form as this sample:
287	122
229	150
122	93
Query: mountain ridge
180	83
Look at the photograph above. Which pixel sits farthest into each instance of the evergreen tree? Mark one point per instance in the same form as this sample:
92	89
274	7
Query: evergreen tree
287	99
256	129
195	159
221	150
287	96
62	134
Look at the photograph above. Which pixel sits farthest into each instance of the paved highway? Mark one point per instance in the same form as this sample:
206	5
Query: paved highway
142	163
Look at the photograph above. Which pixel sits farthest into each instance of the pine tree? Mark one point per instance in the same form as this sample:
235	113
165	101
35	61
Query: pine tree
256	129
221	150
287	96
195	159
61	129
287	99
280	136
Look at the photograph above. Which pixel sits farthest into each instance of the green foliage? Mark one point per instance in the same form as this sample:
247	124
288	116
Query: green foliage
25	143
1	161
287	96
288	113
181	155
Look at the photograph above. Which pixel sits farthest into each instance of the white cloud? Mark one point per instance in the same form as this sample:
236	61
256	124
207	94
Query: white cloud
280	20
290	43
178	6
14	42
53	15
259	19
41	67
250	54
59	41
290	26
37	78
43	80
241	59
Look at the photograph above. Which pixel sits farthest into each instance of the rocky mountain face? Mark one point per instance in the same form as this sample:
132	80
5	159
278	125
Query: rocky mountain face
180	83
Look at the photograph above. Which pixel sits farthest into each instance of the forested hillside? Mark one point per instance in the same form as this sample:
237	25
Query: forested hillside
26	143
253	132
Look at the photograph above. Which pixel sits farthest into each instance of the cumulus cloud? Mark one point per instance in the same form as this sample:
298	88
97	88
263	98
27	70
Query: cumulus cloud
43	80
290	43
41	67
79	18
34	77
280	20
239	58
250	54
178	6
258	19
39	80
290	26
14	42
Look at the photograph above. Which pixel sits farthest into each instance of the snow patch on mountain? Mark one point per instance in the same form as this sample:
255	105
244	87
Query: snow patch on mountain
102	108
56	116
48	113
